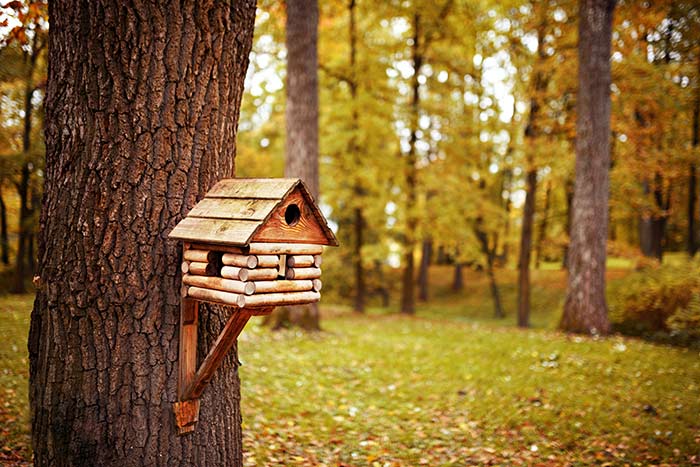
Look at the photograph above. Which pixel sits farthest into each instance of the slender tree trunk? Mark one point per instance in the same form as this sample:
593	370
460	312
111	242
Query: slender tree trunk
569	186
20	260
425	259
525	249
23	188
302	124
542	234
141	113
359	221
693	237
408	293
4	240
458	278
490	255
586	309
532	131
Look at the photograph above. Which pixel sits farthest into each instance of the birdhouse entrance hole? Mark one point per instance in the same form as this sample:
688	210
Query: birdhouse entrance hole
292	215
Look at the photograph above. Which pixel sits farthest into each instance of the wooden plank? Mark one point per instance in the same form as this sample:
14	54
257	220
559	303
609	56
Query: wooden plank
244	274
284	298
282	286
218	351
215	296
234	208
262	188
303	273
196	229
294	221
284	248
221	248
218	283
242	261
187	353
186	415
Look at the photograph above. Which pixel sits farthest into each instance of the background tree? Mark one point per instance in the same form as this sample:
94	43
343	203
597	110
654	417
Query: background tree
302	126
142	108
585	309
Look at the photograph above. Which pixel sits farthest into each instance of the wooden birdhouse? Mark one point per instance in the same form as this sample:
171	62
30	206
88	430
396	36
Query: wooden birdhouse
251	244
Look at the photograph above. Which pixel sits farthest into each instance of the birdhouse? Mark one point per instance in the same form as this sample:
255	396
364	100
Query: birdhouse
250	244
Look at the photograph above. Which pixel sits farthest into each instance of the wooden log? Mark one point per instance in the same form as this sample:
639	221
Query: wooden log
282	286
185	267
217	283
183	291
283	298
243	274
200	256
268	261
318	285
242	261
318	260
300	261
216	296
303	273
284	248
203	269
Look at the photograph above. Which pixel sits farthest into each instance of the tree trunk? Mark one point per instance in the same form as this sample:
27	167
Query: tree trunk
408	283
141	113
425	259
542	234
586	309
20	260
4	240
359	222
532	131
302	125
693	237
525	250
569	209
458	278
490	255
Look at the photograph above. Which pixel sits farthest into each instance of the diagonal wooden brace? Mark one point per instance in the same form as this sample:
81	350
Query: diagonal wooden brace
192	380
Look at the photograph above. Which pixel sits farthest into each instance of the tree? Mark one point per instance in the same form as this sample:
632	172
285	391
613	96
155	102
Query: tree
585	309
302	123
141	115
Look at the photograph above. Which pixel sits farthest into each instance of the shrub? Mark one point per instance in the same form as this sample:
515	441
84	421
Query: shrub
664	301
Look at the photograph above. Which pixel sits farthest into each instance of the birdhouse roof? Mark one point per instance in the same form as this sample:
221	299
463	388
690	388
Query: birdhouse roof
243	210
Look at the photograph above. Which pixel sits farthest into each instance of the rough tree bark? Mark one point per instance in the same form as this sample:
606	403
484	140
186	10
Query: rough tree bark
586	309
408	281
141	114
302	126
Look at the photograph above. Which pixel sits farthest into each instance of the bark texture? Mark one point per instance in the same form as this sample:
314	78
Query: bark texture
586	309
141	114
302	125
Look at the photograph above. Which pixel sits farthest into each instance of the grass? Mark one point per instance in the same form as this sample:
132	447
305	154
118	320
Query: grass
451	386
14	372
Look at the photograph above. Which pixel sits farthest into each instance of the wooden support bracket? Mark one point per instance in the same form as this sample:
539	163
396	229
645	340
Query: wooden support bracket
192	379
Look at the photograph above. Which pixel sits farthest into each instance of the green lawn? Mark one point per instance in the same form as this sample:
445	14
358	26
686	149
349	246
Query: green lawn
451	386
